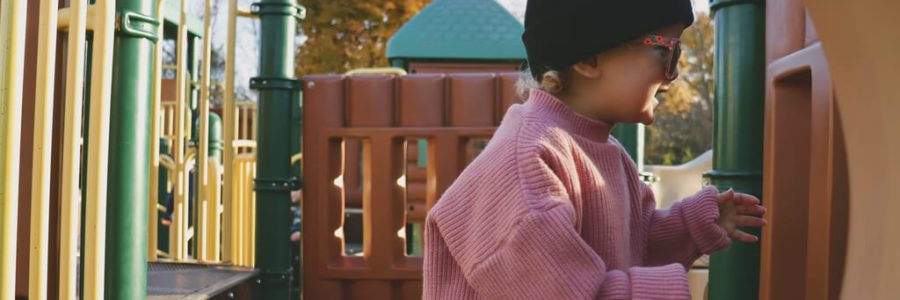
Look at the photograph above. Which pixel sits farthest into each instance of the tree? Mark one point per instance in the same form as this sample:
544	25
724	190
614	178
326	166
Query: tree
683	126
348	34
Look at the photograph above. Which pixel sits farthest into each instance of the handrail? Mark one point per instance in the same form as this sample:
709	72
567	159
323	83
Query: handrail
178	229
374	71
43	140
71	147
155	133
12	53
98	149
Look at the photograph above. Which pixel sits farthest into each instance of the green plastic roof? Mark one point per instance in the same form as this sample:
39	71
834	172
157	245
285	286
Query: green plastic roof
459	30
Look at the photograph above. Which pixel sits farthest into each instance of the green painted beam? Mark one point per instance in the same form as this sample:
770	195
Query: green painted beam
129	164
738	133
274	181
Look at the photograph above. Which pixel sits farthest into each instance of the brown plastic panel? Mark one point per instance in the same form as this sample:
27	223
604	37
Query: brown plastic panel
472	99
811	35
785	28
386	115
804	182
422	100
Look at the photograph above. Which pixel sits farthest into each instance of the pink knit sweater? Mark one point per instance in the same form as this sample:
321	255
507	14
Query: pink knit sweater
553	209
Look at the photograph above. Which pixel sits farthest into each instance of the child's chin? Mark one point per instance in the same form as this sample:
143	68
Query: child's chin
647	119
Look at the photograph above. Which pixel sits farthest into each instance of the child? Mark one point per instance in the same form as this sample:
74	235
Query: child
553	207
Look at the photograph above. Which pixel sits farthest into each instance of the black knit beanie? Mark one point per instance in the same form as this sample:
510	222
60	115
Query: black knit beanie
560	33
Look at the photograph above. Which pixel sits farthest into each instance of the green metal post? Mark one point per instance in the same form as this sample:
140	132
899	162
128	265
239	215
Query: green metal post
274	180
627	134
738	133
129	165
216	143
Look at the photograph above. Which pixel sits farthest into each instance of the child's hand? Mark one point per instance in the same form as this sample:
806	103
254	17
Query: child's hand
735	209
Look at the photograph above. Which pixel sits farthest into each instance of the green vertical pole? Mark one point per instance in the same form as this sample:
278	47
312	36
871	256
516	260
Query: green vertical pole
274	180
129	165
738	133
627	135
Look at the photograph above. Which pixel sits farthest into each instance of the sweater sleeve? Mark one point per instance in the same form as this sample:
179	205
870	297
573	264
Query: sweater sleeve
545	258
684	231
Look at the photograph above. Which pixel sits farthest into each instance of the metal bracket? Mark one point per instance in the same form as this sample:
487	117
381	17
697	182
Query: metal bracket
274	278
284	8
134	24
275	83
715	5
731	175
276	184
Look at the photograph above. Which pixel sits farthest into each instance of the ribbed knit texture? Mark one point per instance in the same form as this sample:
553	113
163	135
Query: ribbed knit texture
553	209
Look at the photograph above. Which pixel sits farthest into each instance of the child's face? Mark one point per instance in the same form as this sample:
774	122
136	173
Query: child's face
620	85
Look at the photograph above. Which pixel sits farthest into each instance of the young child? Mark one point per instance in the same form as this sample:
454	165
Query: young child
553	208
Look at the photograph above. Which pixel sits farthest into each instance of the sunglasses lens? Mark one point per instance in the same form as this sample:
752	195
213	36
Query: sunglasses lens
672	67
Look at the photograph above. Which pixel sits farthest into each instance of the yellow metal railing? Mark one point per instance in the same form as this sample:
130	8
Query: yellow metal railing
73	19
243	208
207	207
12	53
43	136
156	120
371	71
168	116
220	230
103	25
69	210
178	229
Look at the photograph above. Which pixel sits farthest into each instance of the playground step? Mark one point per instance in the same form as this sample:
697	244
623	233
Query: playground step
169	281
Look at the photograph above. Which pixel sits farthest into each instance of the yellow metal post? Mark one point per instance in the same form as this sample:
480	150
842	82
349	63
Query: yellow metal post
214	197
12	54
228	136
43	130
205	208
71	148
155	133
98	149
155	124
177	246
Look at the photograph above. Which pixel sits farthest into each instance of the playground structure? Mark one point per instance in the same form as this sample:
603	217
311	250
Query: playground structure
812	105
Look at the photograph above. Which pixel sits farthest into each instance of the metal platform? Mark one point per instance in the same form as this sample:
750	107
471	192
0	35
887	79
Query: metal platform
169	281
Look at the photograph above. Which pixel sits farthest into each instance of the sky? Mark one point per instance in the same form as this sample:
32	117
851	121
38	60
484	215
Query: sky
517	7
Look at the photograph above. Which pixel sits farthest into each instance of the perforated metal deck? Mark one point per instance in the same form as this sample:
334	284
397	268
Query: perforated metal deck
167	281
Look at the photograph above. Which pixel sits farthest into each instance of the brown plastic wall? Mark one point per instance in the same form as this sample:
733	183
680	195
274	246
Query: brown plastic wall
26	148
382	112
805	183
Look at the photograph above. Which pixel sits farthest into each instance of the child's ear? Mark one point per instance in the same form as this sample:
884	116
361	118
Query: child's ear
588	68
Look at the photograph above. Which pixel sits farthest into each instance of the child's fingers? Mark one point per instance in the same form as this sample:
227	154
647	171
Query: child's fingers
748	221
757	210
744	199
726	196
744	237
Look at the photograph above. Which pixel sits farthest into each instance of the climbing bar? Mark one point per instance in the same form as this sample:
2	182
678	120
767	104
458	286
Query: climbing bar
98	150
12	53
